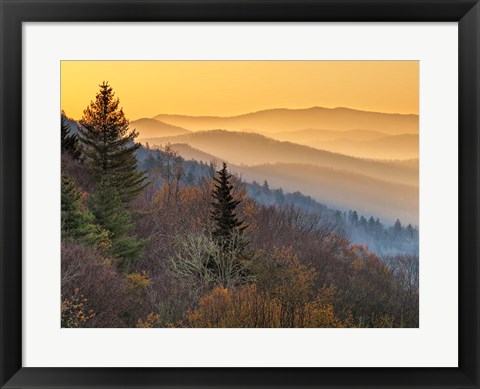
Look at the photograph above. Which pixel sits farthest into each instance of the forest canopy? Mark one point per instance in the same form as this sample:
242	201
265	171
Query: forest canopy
151	239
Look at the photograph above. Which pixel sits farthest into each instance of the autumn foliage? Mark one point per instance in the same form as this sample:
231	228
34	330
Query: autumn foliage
195	250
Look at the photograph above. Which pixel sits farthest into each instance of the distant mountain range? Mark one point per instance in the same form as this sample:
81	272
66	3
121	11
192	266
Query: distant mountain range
321	135
340	189
403	146
341	130
345	158
148	128
357	143
253	149
190	153
282	119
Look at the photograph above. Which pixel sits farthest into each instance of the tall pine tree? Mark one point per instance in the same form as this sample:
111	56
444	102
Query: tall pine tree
223	213
109	144
77	222
109	212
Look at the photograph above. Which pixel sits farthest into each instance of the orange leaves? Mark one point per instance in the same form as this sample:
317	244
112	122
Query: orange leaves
235	308
284	295
105	243
250	308
152	321
319	315
138	281
285	276
250	211
214	309
75	312
190	195
357	264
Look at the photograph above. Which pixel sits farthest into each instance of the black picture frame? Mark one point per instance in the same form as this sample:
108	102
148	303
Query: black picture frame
15	12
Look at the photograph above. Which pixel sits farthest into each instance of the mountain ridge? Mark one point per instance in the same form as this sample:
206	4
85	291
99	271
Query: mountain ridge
316	107
285	119
340	188
257	149
147	127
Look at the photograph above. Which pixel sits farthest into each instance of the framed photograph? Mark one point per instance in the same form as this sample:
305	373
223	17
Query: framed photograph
240	194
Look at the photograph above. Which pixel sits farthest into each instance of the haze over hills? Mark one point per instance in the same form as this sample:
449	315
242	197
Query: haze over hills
283	119
322	135
148	128
357	143
403	146
323	153
190	153
363	134
254	149
340	188
411	163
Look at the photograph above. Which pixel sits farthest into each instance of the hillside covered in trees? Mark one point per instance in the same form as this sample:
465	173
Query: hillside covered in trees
152	239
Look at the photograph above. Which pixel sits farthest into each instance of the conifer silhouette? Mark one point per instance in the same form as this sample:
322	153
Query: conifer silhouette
110	146
224	205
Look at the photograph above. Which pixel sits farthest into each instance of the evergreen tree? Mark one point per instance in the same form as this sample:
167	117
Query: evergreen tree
149	163
363	222
397	228
106	205
265	187
109	145
231	245
69	142
371	224
223	213
353	217
279	197
77	222
190	177
410	231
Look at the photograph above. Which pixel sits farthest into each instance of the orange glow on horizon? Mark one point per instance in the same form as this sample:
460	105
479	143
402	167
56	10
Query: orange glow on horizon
228	88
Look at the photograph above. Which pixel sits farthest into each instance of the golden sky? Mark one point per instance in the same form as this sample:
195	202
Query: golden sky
226	88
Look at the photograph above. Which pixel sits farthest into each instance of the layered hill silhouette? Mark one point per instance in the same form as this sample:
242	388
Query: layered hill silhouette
403	146
340	189
282	119
190	153
357	143
337	188
321	135
411	163
324	153
253	149
148	128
